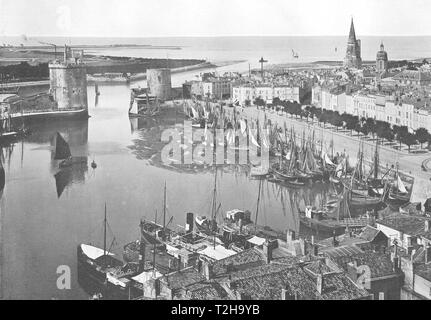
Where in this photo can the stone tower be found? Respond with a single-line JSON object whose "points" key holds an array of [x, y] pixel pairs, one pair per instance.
{"points": [[382, 60], [159, 83], [68, 80], [353, 52]]}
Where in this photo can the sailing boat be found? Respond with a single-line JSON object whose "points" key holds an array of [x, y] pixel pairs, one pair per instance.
{"points": [[62, 152], [398, 193], [203, 224]]}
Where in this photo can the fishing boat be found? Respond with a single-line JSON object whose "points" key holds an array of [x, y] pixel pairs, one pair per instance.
{"points": [[398, 193], [142, 104], [62, 152], [96, 263]]}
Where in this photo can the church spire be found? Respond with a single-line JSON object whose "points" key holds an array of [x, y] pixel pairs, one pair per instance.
{"points": [[352, 34]]}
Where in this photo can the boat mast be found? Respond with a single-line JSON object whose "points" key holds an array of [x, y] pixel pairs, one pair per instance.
{"points": [[154, 247], [104, 238], [257, 206], [164, 211], [376, 161], [214, 204]]}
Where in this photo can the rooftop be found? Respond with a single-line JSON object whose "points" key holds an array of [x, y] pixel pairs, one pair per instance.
{"points": [[411, 225], [240, 261], [182, 278]]}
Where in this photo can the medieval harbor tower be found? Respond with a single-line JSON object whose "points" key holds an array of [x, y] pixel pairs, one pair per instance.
{"points": [[68, 80], [353, 52]]}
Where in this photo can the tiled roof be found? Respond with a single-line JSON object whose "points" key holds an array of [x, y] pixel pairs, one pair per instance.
{"points": [[344, 251], [411, 225], [183, 278], [239, 261], [380, 264], [206, 291], [269, 285], [369, 233], [413, 75]]}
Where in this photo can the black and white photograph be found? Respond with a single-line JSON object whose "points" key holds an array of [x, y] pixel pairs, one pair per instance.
{"points": [[219, 151]]}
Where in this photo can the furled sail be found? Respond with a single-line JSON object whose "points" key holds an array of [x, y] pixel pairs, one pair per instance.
{"points": [[253, 140], [328, 161], [401, 187], [243, 126], [194, 112], [62, 150]]}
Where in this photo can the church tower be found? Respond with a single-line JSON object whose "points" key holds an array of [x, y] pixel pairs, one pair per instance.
{"points": [[353, 52], [382, 60]]}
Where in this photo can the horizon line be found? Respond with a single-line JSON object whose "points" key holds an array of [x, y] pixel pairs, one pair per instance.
{"points": [[205, 36]]}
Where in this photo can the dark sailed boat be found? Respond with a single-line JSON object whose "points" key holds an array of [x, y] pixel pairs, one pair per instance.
{"points": [[62, 152]]}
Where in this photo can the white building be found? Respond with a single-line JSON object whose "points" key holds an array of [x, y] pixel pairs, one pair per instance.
{"points": [[241, 93], [216, 88]]}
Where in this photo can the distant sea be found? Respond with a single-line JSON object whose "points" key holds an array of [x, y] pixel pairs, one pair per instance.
{"points": [[274, 49]]}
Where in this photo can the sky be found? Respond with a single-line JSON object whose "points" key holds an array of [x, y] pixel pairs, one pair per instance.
{"points": [[172, 18]]}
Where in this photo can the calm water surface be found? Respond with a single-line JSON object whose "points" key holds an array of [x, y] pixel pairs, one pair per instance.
{"points": [[45, 213]]}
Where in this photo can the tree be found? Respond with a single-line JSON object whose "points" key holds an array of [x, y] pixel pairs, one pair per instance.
{"points": [[247, 103], [259, 102], [409, 139], [370, 123], [422, 135]]}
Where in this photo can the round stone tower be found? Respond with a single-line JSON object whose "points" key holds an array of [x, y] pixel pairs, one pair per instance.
{"points": [[382, 60], [159, 83], [68, 81]]}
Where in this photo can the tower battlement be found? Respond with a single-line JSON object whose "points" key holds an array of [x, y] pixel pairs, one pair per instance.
{"points": [[68, 80]]}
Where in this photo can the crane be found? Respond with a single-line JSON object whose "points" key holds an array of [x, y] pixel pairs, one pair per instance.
{"points": [[52, 45]]}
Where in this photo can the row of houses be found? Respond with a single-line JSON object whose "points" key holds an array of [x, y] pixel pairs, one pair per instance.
{"points": [[410, 111], [243, 93]]}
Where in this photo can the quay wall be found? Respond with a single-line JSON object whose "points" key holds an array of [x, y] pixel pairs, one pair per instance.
{"points": [[409, 164]]}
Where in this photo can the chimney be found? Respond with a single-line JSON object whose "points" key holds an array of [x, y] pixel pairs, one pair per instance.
{"points": [[268, 246], [189, 222], [240, 223], [427, 253], [283, 294], [290, 236], [199, 265], [427, 225], [208, 271], [319, 283], [179, 263], [334, 240], [315, 250], [396, 263]]}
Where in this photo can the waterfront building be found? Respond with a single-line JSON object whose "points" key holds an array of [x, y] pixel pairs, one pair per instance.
{"points": [[406, 230], [382, 60], [217, 88], [353, 53], [68, 80], [267, 92]]}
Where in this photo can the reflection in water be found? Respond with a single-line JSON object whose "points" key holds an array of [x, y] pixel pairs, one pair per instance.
{"points": [[291, 201], [69, 176], [76, 137]]}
